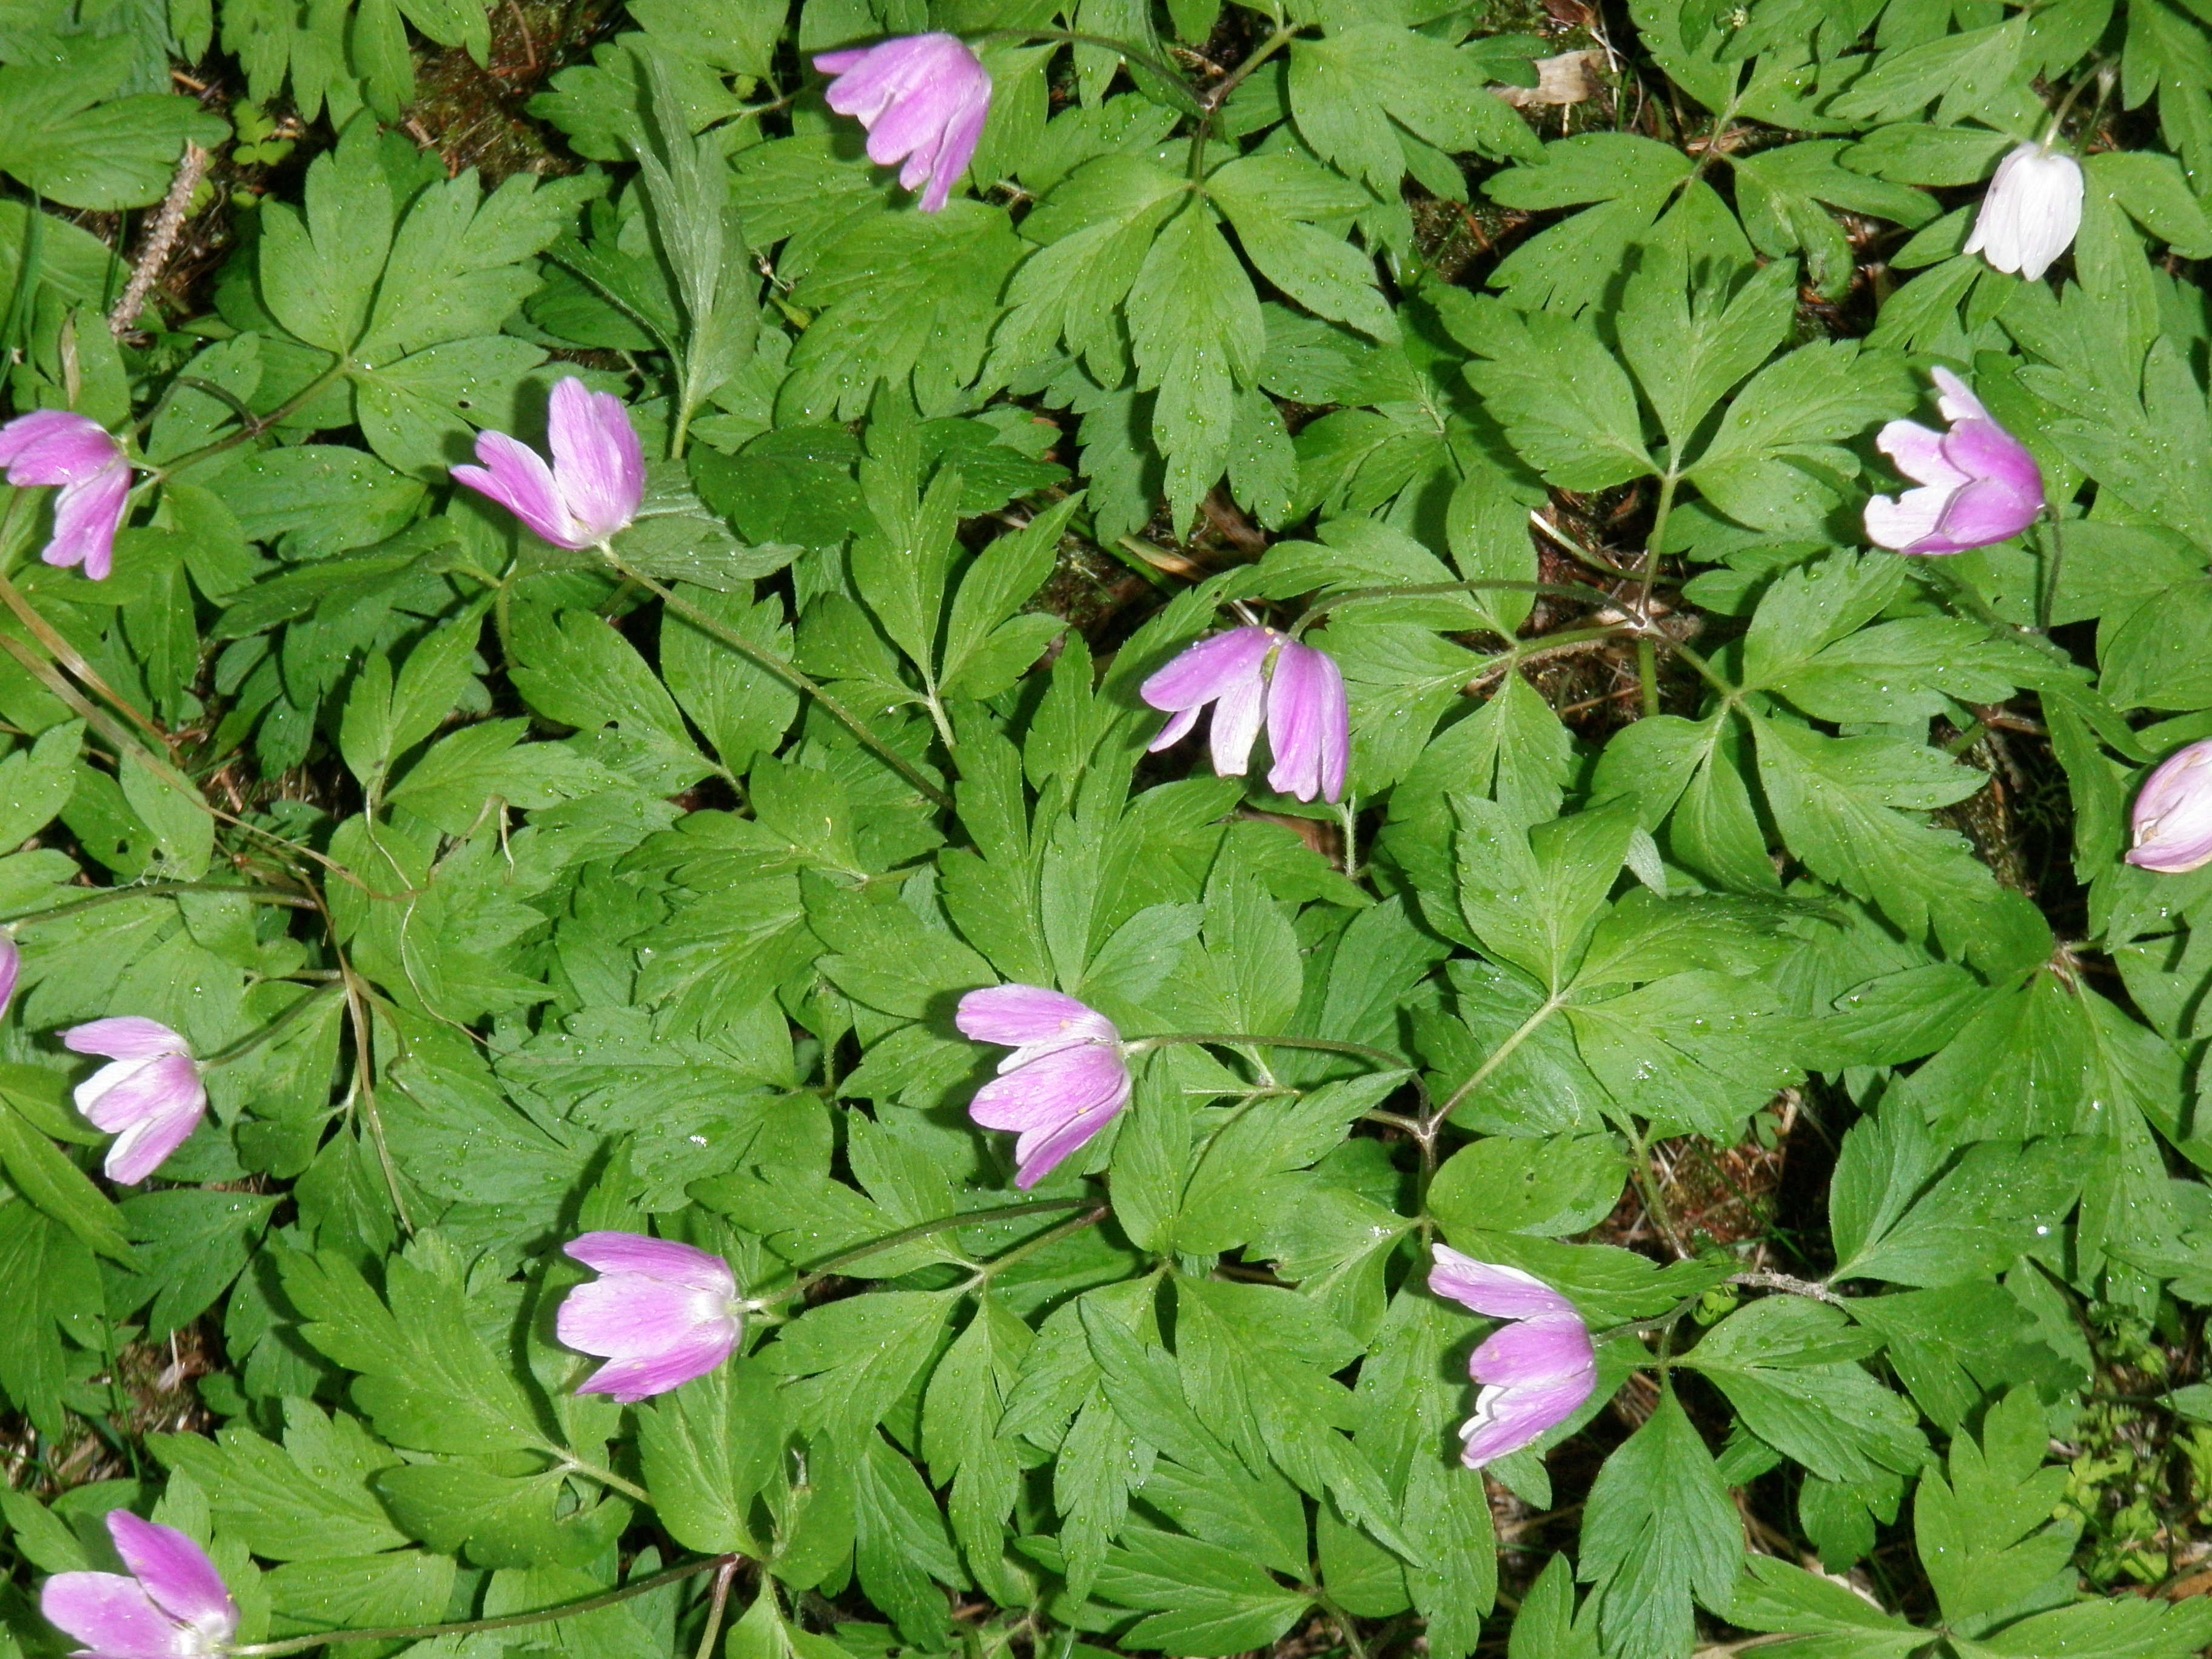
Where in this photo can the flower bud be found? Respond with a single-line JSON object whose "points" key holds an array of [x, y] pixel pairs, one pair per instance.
{"points": [[2173, 814]]}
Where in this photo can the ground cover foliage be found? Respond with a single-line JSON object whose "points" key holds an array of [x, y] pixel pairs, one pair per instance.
{"points": [[1724, 922]]}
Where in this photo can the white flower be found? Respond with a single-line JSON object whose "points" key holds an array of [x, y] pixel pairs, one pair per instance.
{"points": [[2033, 208]]}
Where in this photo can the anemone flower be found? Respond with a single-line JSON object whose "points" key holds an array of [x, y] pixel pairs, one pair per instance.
{"points": [[1978, 484], [1255, 675], [595, 483], [2173, 814], [922, 99], [2031, 211], [1065, 1081], [660, 1312], [1535, 1372], [150, 1099], [173, 1606], [53, 446]]}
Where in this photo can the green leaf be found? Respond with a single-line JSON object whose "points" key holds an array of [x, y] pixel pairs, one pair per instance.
{"points": [[1565, 402], [1986, 1537], [73, 141], [309, 1500], [1786, 1365], [1565, 1184], [1197, 335], [1274, 202], [1212, 1600], [1659, 1530], [193, 1243], [709, 1448], [43, 1174]]}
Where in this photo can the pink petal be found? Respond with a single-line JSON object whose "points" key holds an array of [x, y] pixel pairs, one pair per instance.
{"points": [[638, 1377], [961, 138], [1174, 730], [622, 1315], [87, 515], [663, 1259], [2173, 819], [1490, 1288], [157, 1108], [1919, 454], [1954, 398], [1987, 453], [1986, 511], [516, 476], [837, 63], [1053, 1088], [54, 446], [1542, 1349], [1209, 668], [114, 1615], [598, 464], [1237, 712], [1506, 1419], [1038, 1153], [1023, 1015], [1905, 524], [176, 1574], [127, 1036], [11, 963], [1308, 726]]}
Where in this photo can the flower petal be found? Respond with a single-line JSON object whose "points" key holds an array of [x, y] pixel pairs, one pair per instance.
{"points": [[55, 447], [1490, 1288], [1023, 1015], [2173, 819], [113, 1614], [1308, 723], [1209, 668], [1506, 1419], [598, 465], [1543, 1349], [663, 1259], [1919, 454], [11, 964], [87, 515], [1173, 732], [126, 1037], [625, 1315], [1053, 1088], [157, 1109], [176, 1574], [516, 476], [1038, 1153], [639, 1376], [1902, 524]]}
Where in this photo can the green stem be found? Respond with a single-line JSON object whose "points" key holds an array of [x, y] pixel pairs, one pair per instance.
{"points": [[991, 1269], [1498, 1055], [1659, 517], [1647, 1184], [1424, 590], [511, 1621], [2047, 600], [157, 889], [1122, 49], [721, 1600], [1705, 671], [829, 1269], [1214, 100], [1647, 674], [571, 1464], [239, 1051], [789, 673], [1319, 1045], [291, 406]]}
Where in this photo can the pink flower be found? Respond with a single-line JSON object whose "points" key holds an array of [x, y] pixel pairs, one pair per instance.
{"points": [[1063, 1082], [663, 1313], [1534, 1373], [2031, 211], [2173, 814], [922, 98], [11, 964], [150, 1099], [1255, 674], [173, 1606], [1980, 484], [53, 446], [596, 481]]}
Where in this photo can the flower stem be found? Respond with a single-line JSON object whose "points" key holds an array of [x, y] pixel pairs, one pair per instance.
{"points": [[790, 673], [511, 1621], [1320, 1045], [251, 429], [239, 1051], [829, 1269], [721, 1599], [571, 1464], [1423, 590], [998, 1265], [158, 889]]}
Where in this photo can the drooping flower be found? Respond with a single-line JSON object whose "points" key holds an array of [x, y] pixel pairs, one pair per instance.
{"points": [[1063, 1082], [2030, 212], [595, 483], [1253, 675], [53, 446], [922, 98], [1533, 1372], [173, 1606], [2173, 813], [150, 1099], [660, 1312], [1978, 484]]}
